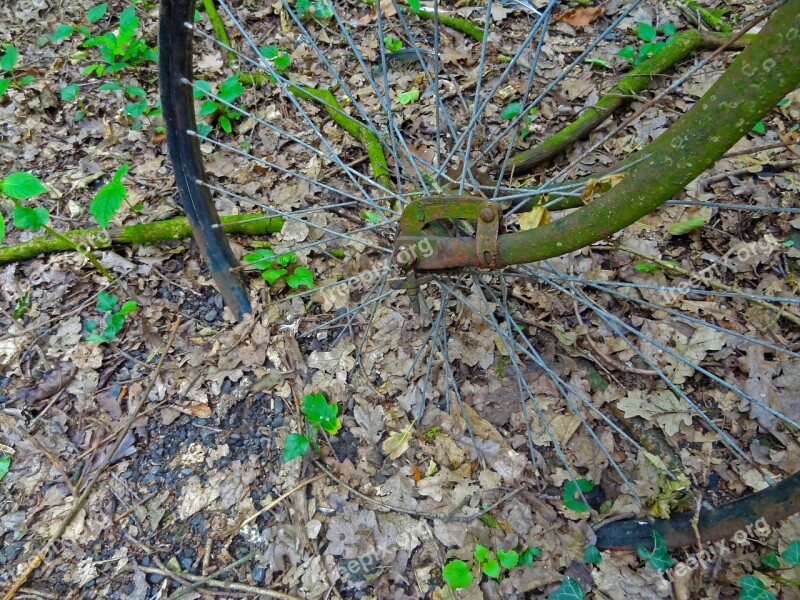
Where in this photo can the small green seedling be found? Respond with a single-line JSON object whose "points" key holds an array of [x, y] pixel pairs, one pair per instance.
{"points": [[5, 464], [114, 320], [8, 61], [392, 43], [229, 91], [109, 198], [121, 49], [319, 415], [318, 9], [274, 267], [652, 44], [513, 110], [456, 574], [278, 57]]}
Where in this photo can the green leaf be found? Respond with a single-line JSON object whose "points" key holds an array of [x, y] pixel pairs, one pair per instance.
{"points": [[2, 228], [231, 89], [106, 302], [319, 412], [647, 267], [792, 553], [107, 201], [760, 128], [414, 4], [668, 29], [9, 58], [61, 32], [135, 110], [301, 277], [646, 32], [592, 555], [599, 62], [4, 83], [282, 62], [269, 52], [392, 43], [754, 589], [96, 13], [69, 92], [25, 80], [511, 111], [568, 590], [627, 52], [111, 86], [225, 123], [508, 560], [21, 186], [686, 226], [135, 90], [491, 568], [771, 560], [128, 307], [5, 464], [272, 275], [295, 445], [371, 216], [208, 107], [529, 555], [457, 575], [201, 88], [408, 97], [571, 491], [481, 553], [658, 557], [261, 258], [287, 258], [29, 218]]}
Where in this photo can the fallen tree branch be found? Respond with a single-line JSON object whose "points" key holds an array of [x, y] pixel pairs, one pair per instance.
{"points": [[146, 233]]}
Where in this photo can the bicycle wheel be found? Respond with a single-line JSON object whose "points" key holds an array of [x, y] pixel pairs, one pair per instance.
{"points": [[382, 135]]}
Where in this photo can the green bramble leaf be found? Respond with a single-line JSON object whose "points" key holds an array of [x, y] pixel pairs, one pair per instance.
{"points": [[9, 59], [457, 575], [21, 186], [30, 218], [295, 445], [109, 198]]}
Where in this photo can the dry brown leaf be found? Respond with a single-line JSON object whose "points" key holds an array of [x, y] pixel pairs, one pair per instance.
{"points": [[397, 442], [535, 218], [581, 17]]}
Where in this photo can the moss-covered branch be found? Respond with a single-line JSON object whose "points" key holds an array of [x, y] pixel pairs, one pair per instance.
{"points": [[463, 25], [147, 233], [626, 90]]}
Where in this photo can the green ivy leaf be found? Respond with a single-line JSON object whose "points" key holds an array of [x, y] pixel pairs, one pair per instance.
{"points": [[685, 227], [771, 560], [9, 58], [592, 555], [69, 92], [301, 277], [272, 275], [508, 560], [571, 491], [568, 590], [511, 111], [408, 97], [658, 557], [457, 575], [646, 32], [5, 464], [96, 13], [792, 553], [295, 445], [29, 218], [316, 408], [491, 568], [754, 589], [21, 186], [62, 31]]}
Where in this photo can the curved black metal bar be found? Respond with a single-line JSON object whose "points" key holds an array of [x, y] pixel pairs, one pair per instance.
{"points": [[175, 64]]}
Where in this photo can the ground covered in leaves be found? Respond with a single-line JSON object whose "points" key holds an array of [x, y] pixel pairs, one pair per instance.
{"points": [[199, 482]]}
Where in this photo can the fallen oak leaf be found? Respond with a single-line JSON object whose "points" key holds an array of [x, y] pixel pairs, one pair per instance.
{"points": [[581, 17]]}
